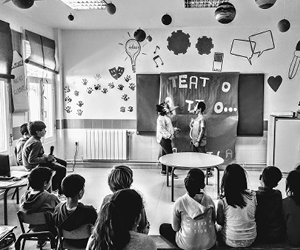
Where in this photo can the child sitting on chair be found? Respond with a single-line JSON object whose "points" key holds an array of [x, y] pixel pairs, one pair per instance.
{"points": [[72, 214], [38, 199], [121, 177], [20, 143]]}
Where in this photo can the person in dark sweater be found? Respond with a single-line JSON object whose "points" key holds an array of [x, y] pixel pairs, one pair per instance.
{"points": [[269, 220], [37, 199], [72, 214]]}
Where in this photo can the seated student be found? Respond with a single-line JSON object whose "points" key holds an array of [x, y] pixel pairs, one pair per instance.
{"points": [[72, 214], [236, 209], [269, 222], [38, 199], [121, 177], [116, 226], [33, 154], [291, 208], [20, 143], [193, 225]]}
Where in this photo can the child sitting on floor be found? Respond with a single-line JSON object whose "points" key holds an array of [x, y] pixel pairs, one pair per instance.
{"points": [[236, 209], [291, 208], [38, 199], [121, 177], [116, 226], [269, 219], [72, 214], [193, 225]]}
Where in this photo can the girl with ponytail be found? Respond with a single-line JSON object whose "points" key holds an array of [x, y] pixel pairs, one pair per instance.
{"points": [[116, 226]]}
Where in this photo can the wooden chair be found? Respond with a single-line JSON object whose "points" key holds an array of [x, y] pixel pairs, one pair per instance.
{"points": [[34, 219], [75, 239]]}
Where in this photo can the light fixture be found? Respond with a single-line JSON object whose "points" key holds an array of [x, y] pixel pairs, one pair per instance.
{"points": [[91, 5], [71, 17]]}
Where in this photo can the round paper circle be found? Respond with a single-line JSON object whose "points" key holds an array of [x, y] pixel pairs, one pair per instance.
{"points": [[283, 25], [225, 13], [265, 4], [139, 35], [166, 19], [23, 4]]}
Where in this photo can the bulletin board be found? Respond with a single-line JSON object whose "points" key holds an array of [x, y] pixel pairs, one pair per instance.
{"points": [[250, 103]]}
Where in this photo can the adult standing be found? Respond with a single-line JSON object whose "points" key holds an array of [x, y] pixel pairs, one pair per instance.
{"points": [[164, 133]]}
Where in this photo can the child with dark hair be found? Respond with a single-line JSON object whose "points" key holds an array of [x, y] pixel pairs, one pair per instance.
{"points": [[33, 154], [72, 214], [116, 225], [121, 177], [291, 208], [193, 225], [20, 143], [38, 199], [236, 208], [269, 220], [164, 133], [198, 129]]}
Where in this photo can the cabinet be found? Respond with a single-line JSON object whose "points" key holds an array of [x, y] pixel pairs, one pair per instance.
{"points": [[284, 143]]}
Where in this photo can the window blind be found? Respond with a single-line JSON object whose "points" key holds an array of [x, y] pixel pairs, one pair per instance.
{"points": [[42, 51], [6, 51]]}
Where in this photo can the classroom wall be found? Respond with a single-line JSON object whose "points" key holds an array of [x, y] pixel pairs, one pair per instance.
{"points": [[87, 57]]}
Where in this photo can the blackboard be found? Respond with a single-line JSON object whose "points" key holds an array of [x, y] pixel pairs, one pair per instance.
{"points": [[250, 103]]}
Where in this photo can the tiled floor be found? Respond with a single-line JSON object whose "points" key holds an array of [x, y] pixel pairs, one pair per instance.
{"points": [[152, 186]]}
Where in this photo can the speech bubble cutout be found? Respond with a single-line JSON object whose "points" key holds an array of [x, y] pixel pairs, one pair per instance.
{"points": [[264, 41], [242, 48]]}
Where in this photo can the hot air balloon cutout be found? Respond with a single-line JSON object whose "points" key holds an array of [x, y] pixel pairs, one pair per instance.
{"points": [[295, 62], [256, 44], [275, 82], [133, 47]]}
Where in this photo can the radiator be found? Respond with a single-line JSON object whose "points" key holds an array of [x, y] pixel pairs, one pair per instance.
{"points": [[110, 144]]}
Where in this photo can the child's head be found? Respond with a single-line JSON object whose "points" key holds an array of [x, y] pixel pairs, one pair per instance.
{"points": [[117, 218], [39, 178], [298, 167], [292, 187], [120, 177], [234, 185], [161, 109], [271, 176], [73, 185], [36, 127], [201, 105], [194, 181], [24, 129]]}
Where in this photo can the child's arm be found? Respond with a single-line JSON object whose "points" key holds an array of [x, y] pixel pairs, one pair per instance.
{"points": [[220, 213], [201, 132], [176, 218], [34, 154]]}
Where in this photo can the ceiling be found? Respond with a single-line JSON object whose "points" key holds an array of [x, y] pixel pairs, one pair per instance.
{"points": [[145, 14]]}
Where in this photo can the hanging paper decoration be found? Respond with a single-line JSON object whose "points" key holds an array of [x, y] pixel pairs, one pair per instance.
{"points": [[283, 25], [265, 4], [225, 13]]}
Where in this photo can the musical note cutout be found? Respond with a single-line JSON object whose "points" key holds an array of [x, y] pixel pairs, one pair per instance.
{"points": [[156, 58], [157, 47]]}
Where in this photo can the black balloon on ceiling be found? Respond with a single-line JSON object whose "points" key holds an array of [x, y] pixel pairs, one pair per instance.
{"points": [[139, 35], [23, 4], [71, 17], [111, 8], [283, 25], [166, 19]]}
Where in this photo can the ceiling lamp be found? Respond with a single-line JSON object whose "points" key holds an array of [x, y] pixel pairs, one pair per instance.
{"points": [[91, 5]]}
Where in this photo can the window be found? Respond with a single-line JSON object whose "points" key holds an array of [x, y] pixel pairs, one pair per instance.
{"points": [[41, 97], [3, 117]]}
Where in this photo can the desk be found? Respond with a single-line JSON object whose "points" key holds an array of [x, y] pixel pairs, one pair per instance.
{"points": [[189, 160], [6, 186]]}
